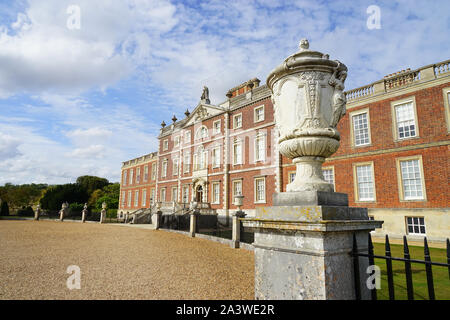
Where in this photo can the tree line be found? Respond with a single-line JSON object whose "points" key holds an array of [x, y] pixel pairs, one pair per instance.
{"points": [[87, 189]]}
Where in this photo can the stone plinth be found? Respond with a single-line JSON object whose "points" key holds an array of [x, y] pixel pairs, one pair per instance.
{"points": [[236, 231], [303, 251], [193, 223]]}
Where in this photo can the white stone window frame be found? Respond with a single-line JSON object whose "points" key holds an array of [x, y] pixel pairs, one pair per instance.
{"points": [[175, 166], [154, 169], [215, 163], [199, 133], [413, 224], [125, 177], [129, 200], [213, 194], [174, 192], [146, 170], [187, 137], [263, 136], [163, 191], [358, 199], [215, 131], [199, 155], [164, 167], [123, 202], [152, 195], [235, 160], [144, 198], [446, 93], [256, 200], [352, 127], [333, 173], [138, 174], [234, 182], [177, 141], [255, 112], [131, 177], [165, 144], [184, 195], [234, 121], [136, 198], [401, 190], [186, 165], [395, 129]]}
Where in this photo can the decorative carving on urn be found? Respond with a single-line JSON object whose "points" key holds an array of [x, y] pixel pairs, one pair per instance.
{"points": [[309, 100]]}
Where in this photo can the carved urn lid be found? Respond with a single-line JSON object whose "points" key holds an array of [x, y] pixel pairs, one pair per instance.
{"points": [[302, 61]]}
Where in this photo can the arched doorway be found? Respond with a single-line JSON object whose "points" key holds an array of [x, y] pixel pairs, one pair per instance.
{"points": [[199, 194]]}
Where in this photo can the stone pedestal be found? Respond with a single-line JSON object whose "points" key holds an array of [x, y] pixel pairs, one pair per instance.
{"points": [[61, 215], [193, 223], [236, 233], [37, 214], [157, 222], [303, 251], [83, 216], [103, 216]]}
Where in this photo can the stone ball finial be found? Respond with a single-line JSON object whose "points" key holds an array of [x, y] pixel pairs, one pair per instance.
{"points": [[304, 44]]}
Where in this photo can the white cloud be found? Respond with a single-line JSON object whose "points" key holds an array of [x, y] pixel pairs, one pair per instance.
{"points": [[90, 152], [42, 54], [9, 147]]}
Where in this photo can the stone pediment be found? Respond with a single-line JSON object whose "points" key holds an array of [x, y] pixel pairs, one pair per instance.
{"points": [[202, 112]]}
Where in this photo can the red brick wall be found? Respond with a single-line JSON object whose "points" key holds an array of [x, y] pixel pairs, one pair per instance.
{"points": [[134, 186]]}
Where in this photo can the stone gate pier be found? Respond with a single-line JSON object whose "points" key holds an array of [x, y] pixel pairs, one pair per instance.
{"points": [[303, 242], [302, 251]]}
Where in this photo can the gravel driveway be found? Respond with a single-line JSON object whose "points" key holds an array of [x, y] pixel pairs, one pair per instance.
{"points": [[118, 263]]}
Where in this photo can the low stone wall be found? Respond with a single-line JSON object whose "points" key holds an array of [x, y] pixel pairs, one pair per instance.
{"points": [[229, 242]]}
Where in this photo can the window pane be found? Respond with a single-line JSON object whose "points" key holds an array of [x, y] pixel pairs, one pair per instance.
{"points": [[361, 129], [365, 182], [411, 179], [405, 120]]}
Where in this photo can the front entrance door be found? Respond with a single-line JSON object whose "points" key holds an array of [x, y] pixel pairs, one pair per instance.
{"points": [[199, 194]]}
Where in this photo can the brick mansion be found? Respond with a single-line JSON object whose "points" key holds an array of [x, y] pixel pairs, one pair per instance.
{"points": [[393, 156]]}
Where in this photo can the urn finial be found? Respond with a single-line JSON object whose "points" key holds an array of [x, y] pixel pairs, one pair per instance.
{"points": [[304, 44], [309, 100]]}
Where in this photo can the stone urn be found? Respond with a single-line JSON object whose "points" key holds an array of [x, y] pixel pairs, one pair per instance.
{"points": [[309, 100], [84, 213], [239, 201], [37, 213], [63, 210], [103, 212]]}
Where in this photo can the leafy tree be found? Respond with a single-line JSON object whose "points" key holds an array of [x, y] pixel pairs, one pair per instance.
{"points": [[97, 194], [4, 209], [109, 194], [54, 196], [26, 212], [19, 196], [76, 207], [91, 183]]}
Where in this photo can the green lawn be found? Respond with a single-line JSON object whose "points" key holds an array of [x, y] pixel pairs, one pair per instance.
{"points": [[440, 274]]}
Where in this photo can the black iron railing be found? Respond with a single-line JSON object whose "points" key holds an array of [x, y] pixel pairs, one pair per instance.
{"points": [[390, 275]]}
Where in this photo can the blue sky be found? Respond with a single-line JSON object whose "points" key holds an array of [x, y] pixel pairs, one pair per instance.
{"points": [[81, 101]]}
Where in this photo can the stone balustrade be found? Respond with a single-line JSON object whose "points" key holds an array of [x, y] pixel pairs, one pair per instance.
{"points": [[360, 92], [398, 80], [442, 68]]}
